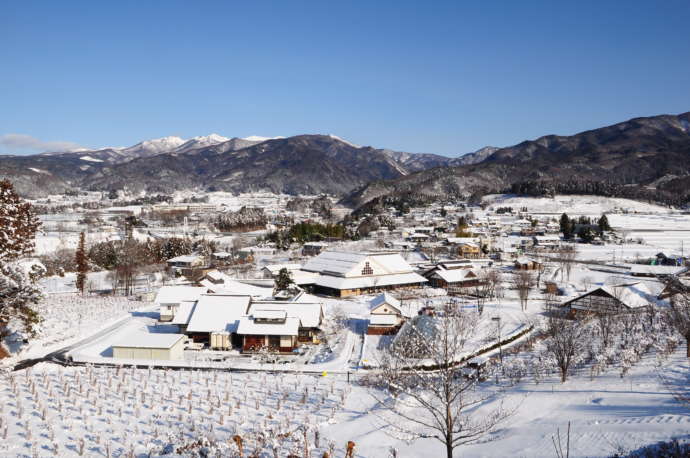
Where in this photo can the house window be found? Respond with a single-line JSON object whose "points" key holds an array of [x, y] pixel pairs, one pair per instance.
{"points": [[367, 269]]}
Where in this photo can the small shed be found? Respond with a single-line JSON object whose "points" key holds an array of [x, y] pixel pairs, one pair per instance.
{"points": [[162, 347]]}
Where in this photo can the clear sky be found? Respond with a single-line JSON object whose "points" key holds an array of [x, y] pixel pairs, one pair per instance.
{"points": [[437, 77]]}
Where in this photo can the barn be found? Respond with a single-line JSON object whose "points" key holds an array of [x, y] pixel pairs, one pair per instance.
{"points": [[162, 347]]}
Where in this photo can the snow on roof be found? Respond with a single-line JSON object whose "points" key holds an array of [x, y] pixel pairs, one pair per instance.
{"points": [[247, 326], [149, 340], [269, 314], [177, 294], [215, 275], [383, 320], [217, 312], [456, 240], [454, 275], [184, 313], [340, 263], [309, 314], [656, 270], [184, 258], [384, 298], [231, 286], [316, 244], [525, 260], [275, 268], [369, 282], [633, 295]]}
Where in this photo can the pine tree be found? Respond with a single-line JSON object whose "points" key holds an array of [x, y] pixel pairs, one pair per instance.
{"points": [[283, 280], [82, 263]]}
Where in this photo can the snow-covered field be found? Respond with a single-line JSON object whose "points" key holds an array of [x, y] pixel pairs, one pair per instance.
{"points": [[573, 204], [49, 410]]}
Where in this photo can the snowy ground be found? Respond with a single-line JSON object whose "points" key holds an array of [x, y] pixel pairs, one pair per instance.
{"points": [[573, 204]]}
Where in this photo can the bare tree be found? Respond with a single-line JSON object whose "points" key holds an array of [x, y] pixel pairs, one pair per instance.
{"points": [[523, 282], [679, 317], [434, 401], [565, 341], [566, 256]]}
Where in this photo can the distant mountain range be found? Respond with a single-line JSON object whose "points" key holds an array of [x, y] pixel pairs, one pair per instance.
{"points": [[296, 165], [641, 158]]}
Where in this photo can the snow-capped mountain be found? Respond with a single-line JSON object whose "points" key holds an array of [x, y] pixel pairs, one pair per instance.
{"points": [[154, 146], [200, 142]]}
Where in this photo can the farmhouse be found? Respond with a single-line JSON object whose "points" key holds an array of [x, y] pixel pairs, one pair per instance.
{"points": [[185, 262], [629, 297], [386, 315], [169, 298], [313, 248], [217, 313], [151, 346], [271, 329], [309, 315], [525, 263], [453, 278], [343, 274]]}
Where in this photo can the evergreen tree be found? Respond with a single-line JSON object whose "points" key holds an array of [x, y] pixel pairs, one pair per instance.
{"points": [[566, 226], [18, 288], [283, 280], [604, 224], [585, 234], [82, 263]]}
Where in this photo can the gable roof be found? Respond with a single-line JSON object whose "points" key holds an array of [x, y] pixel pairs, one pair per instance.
{"points": [[218, 312], [455, 275], [184, 313], [341, 263], [631, 295], [247, 326], [177, 294], [385, 298], [309, 314]]}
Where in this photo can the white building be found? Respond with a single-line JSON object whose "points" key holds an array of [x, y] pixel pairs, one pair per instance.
{"points": [[344, 274]]}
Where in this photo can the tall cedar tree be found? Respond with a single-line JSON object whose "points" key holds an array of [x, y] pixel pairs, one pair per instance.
{"points": [[566, 226], [18, 290], [18, 224], [604, 224], [82, 263]]}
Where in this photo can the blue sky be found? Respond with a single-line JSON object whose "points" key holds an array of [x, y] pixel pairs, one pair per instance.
{"points": [[435, 77]]}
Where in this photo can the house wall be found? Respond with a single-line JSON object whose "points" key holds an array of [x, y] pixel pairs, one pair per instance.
{"points": [[382, 330], [176, 352]]}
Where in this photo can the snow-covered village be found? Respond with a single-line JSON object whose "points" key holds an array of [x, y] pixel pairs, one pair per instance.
{"points": [[257, 325], [344, 229]]}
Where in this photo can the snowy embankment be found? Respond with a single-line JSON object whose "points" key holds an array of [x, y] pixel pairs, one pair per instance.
{"points": [[70, 318]]}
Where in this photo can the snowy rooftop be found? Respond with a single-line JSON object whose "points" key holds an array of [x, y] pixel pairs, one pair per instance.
{"points": [[217, 312], [269, 314], [384, 298], [247, 326], [369, 282], [184, 258], [177, 294], [455, 275], [149, 340], [184, 313], [342, 262], [310, 314], [639, 269], [275, 268]]}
